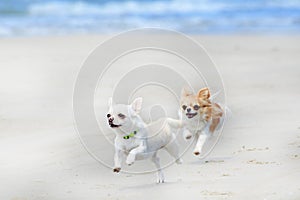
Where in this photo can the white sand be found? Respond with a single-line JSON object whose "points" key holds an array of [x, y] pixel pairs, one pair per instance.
{"points": [[258, 156]]}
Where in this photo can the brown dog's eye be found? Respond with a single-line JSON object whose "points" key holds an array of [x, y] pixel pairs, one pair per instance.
{"points": [[121, 116], [184, 107], [196, 107]]}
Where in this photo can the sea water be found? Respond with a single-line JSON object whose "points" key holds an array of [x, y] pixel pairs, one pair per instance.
{"points": [[54, 17]]}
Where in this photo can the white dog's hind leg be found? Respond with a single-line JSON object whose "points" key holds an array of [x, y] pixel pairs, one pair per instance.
{"points": [[201, 141], [173, 149], [156, 161]]}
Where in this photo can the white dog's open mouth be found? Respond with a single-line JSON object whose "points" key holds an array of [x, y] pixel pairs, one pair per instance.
{"points": [[191, 115], [112, 125]]}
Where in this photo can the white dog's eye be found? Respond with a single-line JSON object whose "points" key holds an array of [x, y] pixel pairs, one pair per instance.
{"points": [[122, 116]]}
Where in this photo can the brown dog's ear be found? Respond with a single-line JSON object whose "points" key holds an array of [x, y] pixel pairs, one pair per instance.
{"points": [[204, 93], [185, 92]]}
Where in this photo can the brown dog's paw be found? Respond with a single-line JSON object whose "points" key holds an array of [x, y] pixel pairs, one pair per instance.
{"points": [[117, 170], [197, 153], [188, 137]]}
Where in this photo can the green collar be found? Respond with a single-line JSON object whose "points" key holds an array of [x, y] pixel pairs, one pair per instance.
{"points": [[132, 134]]}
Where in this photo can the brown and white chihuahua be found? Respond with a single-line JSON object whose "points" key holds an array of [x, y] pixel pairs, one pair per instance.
{"points": [[200, 116]]}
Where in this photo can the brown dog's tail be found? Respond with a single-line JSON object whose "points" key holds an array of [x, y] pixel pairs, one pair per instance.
{"points": [[217, 114]]}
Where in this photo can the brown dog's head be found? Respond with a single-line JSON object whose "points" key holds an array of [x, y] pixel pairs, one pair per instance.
{"points": [[196, 106]]}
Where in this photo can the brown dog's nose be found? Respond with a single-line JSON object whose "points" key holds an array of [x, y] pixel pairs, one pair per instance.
{"points": [[188, 110]]}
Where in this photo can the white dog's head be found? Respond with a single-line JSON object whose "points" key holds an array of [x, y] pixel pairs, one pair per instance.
{"points": [[121, 115]]}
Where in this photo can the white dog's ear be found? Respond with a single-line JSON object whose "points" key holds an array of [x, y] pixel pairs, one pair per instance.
{"points": [[185, 92], [110, 102], [137, 104]]}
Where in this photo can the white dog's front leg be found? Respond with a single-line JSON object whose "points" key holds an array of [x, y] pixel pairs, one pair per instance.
{"points": [[118, 160], [201, 141], [132, 154]]}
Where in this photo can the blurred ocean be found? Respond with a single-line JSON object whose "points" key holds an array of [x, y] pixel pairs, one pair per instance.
{"points": [[50, 17]]}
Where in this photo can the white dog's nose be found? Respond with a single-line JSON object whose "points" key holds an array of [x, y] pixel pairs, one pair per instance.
{"points": [[110, 118]]}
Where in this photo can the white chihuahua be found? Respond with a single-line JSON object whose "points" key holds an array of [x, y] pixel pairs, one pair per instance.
{"points": [[138, 140]]}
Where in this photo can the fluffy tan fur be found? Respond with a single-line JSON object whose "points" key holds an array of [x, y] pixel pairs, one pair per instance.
{"points": [[211, 112]]}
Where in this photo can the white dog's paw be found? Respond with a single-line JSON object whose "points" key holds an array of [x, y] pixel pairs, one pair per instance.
{"points": [[130, 160], [179, 161], [160, 177], [160, 180], [117, 169]]}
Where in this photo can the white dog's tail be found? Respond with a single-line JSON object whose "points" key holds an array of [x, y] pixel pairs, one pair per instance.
{"points": [[174, 123]]}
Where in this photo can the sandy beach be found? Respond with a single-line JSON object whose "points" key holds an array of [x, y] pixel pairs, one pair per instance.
{"points": [[257, 157]]}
